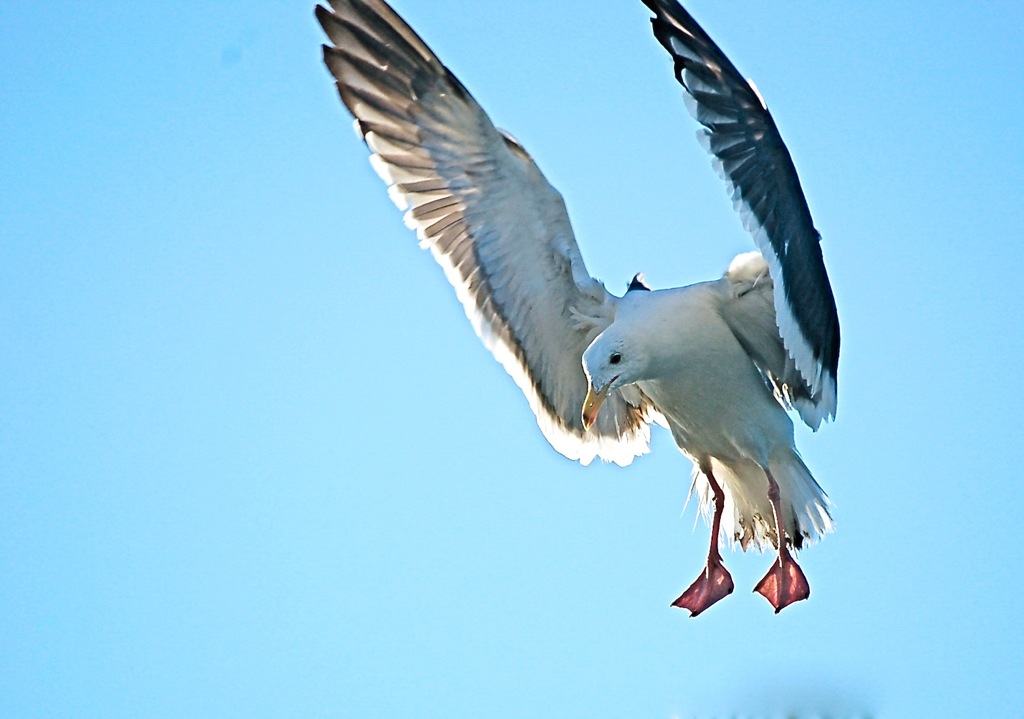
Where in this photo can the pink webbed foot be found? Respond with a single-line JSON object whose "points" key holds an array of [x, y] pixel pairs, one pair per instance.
{"points": [[784, 583], [714, 583]]}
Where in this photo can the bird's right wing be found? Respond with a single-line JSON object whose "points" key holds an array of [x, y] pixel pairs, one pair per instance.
{"points": [[501, 233]]}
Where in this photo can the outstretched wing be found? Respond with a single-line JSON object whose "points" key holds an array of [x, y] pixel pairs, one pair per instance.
{"points": [[494, 224], [752, 158]]}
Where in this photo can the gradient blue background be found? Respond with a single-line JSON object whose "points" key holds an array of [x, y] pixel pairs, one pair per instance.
{"points": [[254, 462]]}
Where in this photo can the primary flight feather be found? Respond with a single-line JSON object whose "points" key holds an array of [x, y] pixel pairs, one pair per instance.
{"points": [[718, 363]]}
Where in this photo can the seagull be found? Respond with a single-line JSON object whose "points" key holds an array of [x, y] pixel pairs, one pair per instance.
{"points": [[721, 364]]}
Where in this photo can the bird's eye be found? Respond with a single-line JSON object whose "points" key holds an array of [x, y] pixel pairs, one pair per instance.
{"points": [[615, 358]]}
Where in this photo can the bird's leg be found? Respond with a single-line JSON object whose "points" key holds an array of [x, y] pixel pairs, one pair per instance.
{"points": [[785, 582], [714, 582]]}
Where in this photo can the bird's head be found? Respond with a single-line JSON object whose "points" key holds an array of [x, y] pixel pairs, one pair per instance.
{"points": [[609, 363]]}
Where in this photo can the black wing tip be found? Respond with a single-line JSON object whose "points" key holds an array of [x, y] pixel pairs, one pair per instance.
{"points": [[325, 16], [669, 12], [638, 283], [663, 7]]}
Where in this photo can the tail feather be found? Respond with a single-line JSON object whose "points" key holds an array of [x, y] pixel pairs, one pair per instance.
{"points": [[748, 519]]}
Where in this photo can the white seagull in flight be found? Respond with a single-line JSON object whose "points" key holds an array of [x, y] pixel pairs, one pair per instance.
{"points": [[718, 363]]}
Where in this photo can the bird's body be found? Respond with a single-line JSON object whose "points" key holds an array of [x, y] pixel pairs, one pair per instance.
{"points": [[719, 363], [698, 370], [715, 401]]}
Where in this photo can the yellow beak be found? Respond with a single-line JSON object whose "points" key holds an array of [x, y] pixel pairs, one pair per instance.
{"points": [[592, 404]]}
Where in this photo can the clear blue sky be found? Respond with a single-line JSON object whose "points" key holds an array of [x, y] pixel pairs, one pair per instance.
{"points": [[254, 462]]}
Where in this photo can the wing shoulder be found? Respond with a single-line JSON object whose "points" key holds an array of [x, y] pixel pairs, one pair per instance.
{"points": [[747, 304]]}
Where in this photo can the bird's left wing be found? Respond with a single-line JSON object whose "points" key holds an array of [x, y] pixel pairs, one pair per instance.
{"points": [[752, 158], [746, 303], [501, 233]]}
